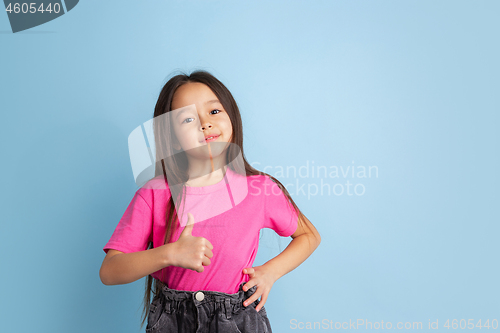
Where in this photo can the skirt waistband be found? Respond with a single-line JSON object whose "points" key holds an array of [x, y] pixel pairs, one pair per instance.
{"points": [[203, 296]]}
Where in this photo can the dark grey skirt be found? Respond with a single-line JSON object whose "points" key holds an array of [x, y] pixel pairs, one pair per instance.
{"points": [[206, 312]]}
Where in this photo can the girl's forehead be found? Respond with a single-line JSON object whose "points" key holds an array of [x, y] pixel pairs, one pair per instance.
{"points": [[192, 93]]}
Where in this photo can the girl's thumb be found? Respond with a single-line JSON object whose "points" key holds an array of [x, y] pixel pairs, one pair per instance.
{"points": [[189, 225]]}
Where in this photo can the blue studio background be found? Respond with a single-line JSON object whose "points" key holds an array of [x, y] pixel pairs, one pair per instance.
{"points": [[408, 88]]}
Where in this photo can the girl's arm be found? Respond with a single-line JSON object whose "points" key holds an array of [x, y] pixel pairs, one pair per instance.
{"points": [[188, 252], [304, 242], [121, 268]]}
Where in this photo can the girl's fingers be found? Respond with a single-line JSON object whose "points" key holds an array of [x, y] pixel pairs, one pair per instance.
{"points": [[262, 302], [248, 285], [250, 272], [251, 299], [209, 253], [205, 261]]}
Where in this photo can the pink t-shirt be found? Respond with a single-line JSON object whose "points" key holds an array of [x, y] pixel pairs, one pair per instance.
{"points": [[234, 233]]}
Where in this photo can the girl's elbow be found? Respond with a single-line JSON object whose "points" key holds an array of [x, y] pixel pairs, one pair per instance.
{"points": [[317, 238], [104, 277]]}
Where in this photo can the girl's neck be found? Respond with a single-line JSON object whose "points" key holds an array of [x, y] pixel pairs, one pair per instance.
{"points": [[208, 179]]}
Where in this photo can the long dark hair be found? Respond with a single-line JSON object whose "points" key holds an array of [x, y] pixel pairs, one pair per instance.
{"points": [[163, 105]]}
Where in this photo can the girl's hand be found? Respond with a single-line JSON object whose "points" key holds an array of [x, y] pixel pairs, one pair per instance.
{"points": [[263, 278], [191, 252]]}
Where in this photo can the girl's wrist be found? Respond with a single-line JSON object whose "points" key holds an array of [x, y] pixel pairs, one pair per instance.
{"points": [[271, 270], [168, 254]]}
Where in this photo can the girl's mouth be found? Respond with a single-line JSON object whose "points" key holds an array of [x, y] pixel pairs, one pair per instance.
{"points": [[211, 138]]}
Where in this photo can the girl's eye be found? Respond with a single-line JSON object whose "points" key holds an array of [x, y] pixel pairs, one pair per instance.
{"points": [[192, 119], [187, 119]]}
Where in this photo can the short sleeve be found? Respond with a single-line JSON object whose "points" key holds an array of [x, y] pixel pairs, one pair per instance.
{"points": [[279, 213], [134, 231]]}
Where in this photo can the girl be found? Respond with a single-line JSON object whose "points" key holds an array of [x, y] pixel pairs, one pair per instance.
{"points": [[202, 268]]}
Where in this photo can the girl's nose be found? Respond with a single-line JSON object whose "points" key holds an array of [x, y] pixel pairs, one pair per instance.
{"points": [[206, 126]]}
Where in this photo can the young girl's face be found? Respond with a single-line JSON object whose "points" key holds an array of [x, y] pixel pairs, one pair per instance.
{"points": [[192, 126]]}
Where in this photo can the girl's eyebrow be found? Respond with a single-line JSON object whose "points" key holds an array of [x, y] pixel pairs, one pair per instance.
{"points": [[212, 101], [179, 114]]}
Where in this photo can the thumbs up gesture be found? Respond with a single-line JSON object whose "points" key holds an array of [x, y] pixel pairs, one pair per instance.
{"points": [[191, 252]]}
